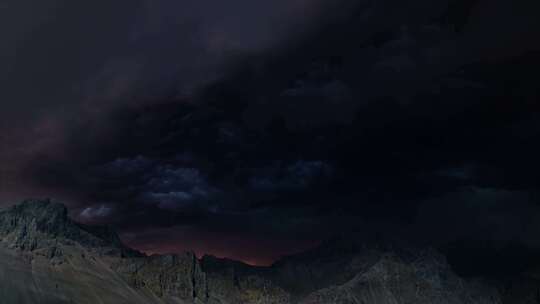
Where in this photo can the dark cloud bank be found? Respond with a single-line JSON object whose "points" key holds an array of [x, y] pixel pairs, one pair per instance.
{"points": [[254, 129]]}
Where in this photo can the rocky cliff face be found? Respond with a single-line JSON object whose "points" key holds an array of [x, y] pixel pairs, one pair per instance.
{"points": [[37, 225], [175, 276], [45, 257], [234, 282]]}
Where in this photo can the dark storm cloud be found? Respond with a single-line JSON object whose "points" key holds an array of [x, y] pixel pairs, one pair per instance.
{"points": [[128, 166], [393, 161], [153, 182], [481, 214], [178, 188], [300, 175], [105, 52], [66, 63], [371, 119]]}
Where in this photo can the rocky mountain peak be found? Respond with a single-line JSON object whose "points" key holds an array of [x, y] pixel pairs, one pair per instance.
{"points": [[49, 217], [37, 207], [44, 224]]}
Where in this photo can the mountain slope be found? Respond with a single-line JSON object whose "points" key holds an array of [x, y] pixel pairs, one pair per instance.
{"points": [[45, 257], [392, 280]]}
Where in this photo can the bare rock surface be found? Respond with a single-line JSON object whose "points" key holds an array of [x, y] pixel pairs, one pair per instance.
{"points": [[44, 225]]}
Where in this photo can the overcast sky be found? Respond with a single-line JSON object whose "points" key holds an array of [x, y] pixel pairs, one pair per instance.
{"points": [[255, 129]]}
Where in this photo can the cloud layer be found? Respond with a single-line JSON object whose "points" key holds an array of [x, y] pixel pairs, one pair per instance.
{"points": [[274, 125]]}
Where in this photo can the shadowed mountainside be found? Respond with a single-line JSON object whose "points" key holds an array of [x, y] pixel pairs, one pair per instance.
{"points": [[45, 257]]}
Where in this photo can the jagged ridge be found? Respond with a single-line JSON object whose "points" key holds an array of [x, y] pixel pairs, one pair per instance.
{"points": [[38, 224], [99, 268]]}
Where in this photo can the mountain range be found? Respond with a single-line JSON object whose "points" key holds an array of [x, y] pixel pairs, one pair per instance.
{"points": [[46, 257]]}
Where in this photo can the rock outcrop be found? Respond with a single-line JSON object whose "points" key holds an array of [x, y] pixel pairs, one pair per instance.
{"points": [[44, 225], [235, 282], [166, 276]]}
